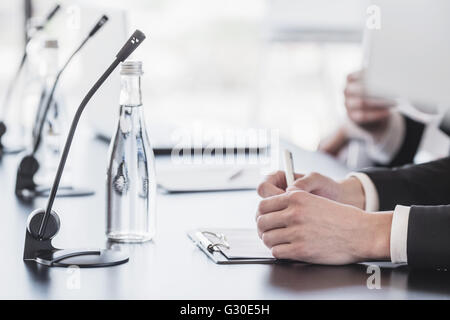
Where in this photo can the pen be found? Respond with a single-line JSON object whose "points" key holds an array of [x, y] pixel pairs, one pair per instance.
{"points": [[289, 168], [236, 174]]}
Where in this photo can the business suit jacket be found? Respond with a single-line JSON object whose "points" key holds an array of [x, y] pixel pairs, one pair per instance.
{"points": [[426, 188], [413, 136]]}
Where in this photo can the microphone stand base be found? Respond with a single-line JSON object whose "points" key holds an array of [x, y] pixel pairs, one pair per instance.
{"points": [[64, 192], [7, 150], [82, 258], [28, 194], [43, 252]]}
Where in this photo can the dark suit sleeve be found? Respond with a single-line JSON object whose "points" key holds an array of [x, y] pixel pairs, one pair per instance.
{"points": [[428, 244], [424, 184], [411, 142], [426, 188]]}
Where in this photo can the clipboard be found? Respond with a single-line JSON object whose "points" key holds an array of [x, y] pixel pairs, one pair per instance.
{"points": [[232, 246]]}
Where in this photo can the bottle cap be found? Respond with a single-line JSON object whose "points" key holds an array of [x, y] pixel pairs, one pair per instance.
{"points": [[131, 68], [51, 43]]}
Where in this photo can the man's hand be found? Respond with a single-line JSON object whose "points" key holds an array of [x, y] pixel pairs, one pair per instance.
{"points": [[371, 114], [348, 191], [301, 226]]}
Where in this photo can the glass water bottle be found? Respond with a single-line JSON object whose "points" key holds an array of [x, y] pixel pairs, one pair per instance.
{"points": [[24, 96], [130, 186], [55, 124]]}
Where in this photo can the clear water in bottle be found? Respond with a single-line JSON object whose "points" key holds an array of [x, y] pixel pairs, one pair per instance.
{"points": [[131, 185]]}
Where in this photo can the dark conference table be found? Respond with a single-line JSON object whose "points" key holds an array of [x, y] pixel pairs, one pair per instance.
{"points": [[171, 267]]}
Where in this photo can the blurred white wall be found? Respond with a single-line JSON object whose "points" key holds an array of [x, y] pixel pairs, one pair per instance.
{"points": [[229, 63], [12, 39]]}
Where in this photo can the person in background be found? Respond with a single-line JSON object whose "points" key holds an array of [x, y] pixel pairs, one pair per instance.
{"points": [[391, 139], [401, 214]]}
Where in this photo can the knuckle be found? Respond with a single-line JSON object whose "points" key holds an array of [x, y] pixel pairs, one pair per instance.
{"points": [[353, 76], [266, 239], [292, 195], [357, 116], [296, 196], [261, 206], [276, 252], [296, 217], [293, 234], [315, 175], [355, 103], [260, 223], [346, 91], [275, 176], [279, 173], [299, 249], [303, 251], [262, 188], [300, 184], [291, 217], [363, 116]]}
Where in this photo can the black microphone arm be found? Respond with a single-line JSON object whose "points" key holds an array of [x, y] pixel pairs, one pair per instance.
{"points": [[13, 82], [50, 16], [43, 225], [25, 185]]}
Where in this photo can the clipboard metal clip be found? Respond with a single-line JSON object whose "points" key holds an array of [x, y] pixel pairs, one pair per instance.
{"points": [[210, 246]]}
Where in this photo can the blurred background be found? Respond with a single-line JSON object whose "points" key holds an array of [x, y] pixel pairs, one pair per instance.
{"points": [[278, 64]]}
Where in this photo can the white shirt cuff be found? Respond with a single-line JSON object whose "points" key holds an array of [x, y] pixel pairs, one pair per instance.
{"points": [[383, 148], [370, 191], [399, 234]]}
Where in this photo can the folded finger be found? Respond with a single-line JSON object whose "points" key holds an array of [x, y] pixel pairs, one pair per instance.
{"points": [[277, 179], [274, 203], [270, 221], [354, 76], [283, 251], [365, 116], [267, 189], [354, 89], [276, 237], [310, 182], [369, 102]]}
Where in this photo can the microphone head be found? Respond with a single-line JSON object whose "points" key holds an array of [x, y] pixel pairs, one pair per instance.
{"points": [[132, 43], [25, 176], [2, 129], [53, 12], [99, 25], [2, 132]]}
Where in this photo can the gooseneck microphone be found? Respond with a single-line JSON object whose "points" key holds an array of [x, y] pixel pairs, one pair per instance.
{"points": [[49, 17], [43, 224], [49, 100], [12, 84], [25, 185]]}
